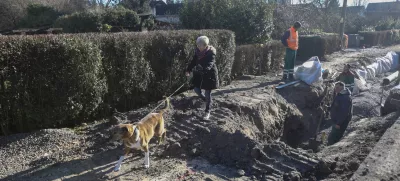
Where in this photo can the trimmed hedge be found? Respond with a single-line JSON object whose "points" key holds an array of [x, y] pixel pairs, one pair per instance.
{"points": [[385, 38], [257, 59], [47, 81], [62, 80], [317, 45]]}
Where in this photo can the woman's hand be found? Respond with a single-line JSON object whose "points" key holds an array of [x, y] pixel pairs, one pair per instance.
{"points": [[187, 74]]}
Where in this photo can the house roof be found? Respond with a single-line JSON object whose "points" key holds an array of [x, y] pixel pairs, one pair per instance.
{"points": [[383, 7], [170, 19], [351, 9], [355, 9], [168, 9]]}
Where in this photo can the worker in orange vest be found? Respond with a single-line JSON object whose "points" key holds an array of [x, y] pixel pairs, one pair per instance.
{"points": [[290, 40], [346, 40]]}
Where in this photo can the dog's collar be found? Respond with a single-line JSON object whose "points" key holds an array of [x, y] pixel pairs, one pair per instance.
{"points": [[136, 131]]}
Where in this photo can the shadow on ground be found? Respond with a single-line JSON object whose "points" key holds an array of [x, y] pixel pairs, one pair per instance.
{"points": [[92, 168]]}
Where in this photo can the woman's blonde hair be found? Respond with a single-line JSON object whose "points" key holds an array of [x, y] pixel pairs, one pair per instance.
{"points": [[203, 40]]}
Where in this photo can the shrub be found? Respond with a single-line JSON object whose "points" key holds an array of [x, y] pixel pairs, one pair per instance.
{"points": [[139, 6], [80, 22], [93, 20], [386, 38], [285, 16], [39, 15], [121, 17], [148, 23], [250, 20], [48, 81], [257, 59], [387, 23], [354, 24], [59, 80]]}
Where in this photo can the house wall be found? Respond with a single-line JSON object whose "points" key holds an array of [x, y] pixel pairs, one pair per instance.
{"points": [[172, 19]]}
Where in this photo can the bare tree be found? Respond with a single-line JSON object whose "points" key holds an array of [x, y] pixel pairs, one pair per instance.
{"points": [[360, 2], [325, 3], [303, 1], [104, 3], [11, 11]]}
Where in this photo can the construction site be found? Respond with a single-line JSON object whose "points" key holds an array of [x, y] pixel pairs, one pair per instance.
{"points": [[255, 132]]}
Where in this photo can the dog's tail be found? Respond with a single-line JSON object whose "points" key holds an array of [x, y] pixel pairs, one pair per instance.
{"points": [[167, 105]]}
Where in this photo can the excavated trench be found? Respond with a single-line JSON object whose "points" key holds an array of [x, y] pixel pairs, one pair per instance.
{"points": [[266, 132], [253, 129], [249, 130]]}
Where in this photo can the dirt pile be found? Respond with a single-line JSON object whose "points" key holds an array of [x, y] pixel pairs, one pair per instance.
{"points": [[242, 126], [307, 99], [383, 161], [344, 157], [276, 160]]}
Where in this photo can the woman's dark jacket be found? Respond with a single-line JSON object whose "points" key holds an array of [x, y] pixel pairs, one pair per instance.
{"points": [[205, 72]]}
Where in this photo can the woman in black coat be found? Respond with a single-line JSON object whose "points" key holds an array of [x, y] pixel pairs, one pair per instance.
{"points": [[205, 72]]}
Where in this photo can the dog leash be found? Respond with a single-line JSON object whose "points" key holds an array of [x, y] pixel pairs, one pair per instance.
{"points": [[167, 97]]}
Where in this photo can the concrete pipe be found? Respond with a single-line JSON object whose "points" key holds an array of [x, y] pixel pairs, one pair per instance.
{"points": [[387, 80]]}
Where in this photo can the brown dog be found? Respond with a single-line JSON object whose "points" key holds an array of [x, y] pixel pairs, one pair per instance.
{"points": [[137, 136]]}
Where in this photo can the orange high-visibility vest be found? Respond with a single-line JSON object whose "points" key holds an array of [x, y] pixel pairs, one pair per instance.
{"points": [[293, 40]]}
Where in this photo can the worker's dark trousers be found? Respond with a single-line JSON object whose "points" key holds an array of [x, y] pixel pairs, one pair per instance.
{"points": [[337, 134], [290, 58]]}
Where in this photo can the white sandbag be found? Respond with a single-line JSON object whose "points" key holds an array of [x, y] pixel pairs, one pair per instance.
{"points": [[396, 87], [310, 71], [382, 65], [395, 60], [360, 78], [362, 73], [359, 85]]}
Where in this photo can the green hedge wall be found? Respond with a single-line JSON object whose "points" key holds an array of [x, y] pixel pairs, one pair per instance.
{"points": [[257, 59], [61, 80], [47, 81], [317, 45], [385, 38]]}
